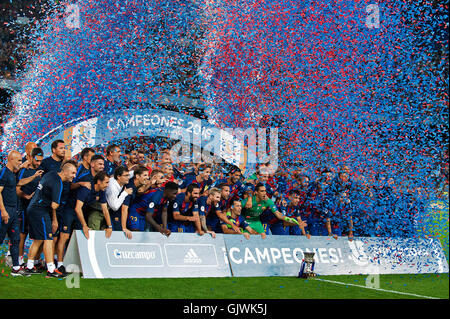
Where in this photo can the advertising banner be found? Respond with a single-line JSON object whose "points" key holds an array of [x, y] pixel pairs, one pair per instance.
{"points": [[152, 255], [147, 255], [122, 124], [282, 255]]}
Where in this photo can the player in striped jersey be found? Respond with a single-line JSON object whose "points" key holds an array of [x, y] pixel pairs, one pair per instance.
{"points": [[209, 211], [183, 212], [138, 181], [234, 215], [234, 182], [293, 211], [202, 178]]}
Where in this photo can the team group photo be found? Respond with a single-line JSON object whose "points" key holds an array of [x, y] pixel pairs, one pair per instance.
{"points": [[201, 149]]}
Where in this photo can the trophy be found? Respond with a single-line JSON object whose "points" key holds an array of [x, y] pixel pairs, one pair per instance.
{"points": [[307, 267]]}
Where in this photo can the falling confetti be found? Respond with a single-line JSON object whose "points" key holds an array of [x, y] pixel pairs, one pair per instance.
{"points": [[352, 83]]}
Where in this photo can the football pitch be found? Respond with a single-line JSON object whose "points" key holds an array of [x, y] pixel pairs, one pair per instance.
{"points": [[411, 286]]}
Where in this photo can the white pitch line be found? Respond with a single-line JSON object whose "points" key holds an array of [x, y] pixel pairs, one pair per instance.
{"points": [[378, 289]]}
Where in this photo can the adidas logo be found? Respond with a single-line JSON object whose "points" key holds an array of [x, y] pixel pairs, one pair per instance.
{"points": [[191, 257]]}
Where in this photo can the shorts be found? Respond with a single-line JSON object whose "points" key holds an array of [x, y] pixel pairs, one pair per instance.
{"points": [[59, 218], [279, 229], [23, 222], [295, 230], [40, 224], [336, 229], [172, 226], [12, 230], [96, 220], [189, 228], [158, 218], [69, 221], [256, 226], [181, 227], [116, 220], [214, 224], [316, 227], [136, 222], [266, 228]]}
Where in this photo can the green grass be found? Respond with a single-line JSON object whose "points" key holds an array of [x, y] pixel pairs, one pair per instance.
{"points": [[36, 286], [431, 285]]}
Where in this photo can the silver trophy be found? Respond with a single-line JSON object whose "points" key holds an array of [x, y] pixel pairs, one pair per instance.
{"points": [[307, 267]]}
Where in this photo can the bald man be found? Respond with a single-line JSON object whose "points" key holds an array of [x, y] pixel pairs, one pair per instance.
{"points": [[27, 159], [8, 208], [43, 221]]}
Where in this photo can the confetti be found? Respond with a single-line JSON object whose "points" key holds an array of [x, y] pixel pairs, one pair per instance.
{"points": [[345, 82]]}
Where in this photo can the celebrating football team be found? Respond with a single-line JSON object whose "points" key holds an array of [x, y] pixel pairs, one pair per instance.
{"points": [[47, 199]]}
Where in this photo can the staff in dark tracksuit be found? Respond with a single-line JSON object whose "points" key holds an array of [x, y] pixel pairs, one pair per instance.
{"points": [[8, 208]]}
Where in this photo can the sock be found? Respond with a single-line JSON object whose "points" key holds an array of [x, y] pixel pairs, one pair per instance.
{"points": [[50, 267], [30, 263], [60, 263], [20, 260], [8, 253], [16, 268]]}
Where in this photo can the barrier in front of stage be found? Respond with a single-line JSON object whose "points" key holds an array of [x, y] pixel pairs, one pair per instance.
{"points": [[282, 255], [147, 255], [153, 255]]}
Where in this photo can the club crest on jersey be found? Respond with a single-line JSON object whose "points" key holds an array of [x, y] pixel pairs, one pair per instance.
{"points": [[151, 205]]}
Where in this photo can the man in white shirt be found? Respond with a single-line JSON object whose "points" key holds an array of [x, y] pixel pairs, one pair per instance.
{"points": [[116, 192]]}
